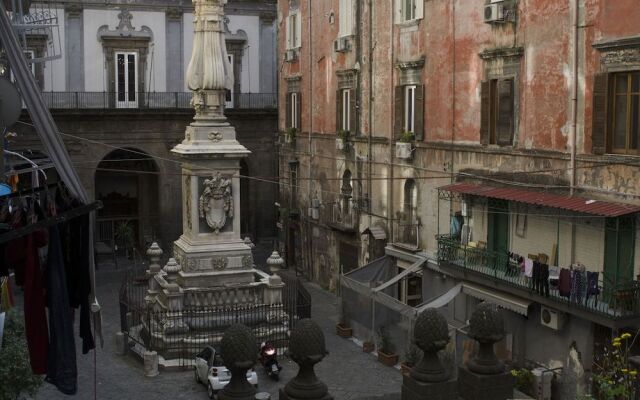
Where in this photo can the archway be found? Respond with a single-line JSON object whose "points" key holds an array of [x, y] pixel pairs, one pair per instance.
{"points": [[126, 182]]}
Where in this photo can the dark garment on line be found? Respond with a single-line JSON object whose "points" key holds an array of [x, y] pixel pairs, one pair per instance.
{"points": [[578, 285], [564, 284], [62, 370], [592, 286]]}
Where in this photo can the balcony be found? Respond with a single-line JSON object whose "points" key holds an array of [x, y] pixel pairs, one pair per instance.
{"points": [[615, 301], [344, 215], [149, 100], [406, 233]]}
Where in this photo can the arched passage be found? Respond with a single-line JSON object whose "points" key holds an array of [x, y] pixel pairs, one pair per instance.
{"points": [[126, 182]]}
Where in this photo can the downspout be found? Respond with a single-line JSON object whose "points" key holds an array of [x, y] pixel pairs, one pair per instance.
{"points": [[574, 96], [369, 141], [309, 235], [390, 182]]}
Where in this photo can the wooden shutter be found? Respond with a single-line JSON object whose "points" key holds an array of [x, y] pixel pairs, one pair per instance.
{"points": [[398, 112], [299, 112], [599, 124], [353, 113], [504, 123], [419, 112], [485, 111], [419, 9], [288, 122], [338, 110]]}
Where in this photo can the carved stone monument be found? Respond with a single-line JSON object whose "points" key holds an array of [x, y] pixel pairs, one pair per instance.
{"points": [[484, 376], [306, 348], [429, 379], [212, 269]]}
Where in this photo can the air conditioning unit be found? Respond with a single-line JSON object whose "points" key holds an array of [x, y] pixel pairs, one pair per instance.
{"points": [[551, 318], [494, 12], [290, 55], [341, 45]]}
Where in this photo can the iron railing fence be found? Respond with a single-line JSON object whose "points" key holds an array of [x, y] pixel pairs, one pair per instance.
{"points": [[181, 335], [407, 232], [616, 300], [150, 100]]}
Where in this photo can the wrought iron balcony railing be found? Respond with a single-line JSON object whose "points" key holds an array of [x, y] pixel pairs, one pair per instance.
{"points": [[406, 232], [150, 100], [344, 216], [615, 300]]}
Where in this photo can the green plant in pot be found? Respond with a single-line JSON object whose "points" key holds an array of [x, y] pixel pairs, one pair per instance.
{"points": [[407, 137], [386, 350], [124, 236], [16, 376], [291, 134]]}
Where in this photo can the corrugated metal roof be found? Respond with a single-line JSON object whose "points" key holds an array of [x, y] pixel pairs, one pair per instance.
{"points": [[377, 232], [540, 198]]}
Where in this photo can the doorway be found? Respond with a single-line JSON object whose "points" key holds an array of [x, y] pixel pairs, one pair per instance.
{"points": [[498, 226]]}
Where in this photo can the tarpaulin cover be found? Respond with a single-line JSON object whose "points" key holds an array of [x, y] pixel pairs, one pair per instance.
{"points": [[375, 273]]}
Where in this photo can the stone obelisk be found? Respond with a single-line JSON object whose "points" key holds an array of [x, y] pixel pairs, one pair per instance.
{"points": [[210, 250]]}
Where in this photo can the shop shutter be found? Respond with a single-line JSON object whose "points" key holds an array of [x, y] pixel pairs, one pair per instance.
{"points": [[419, 112], [599, 124], [398, 112], [485, 111]]}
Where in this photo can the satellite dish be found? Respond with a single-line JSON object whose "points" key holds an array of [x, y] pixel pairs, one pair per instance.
{"points": [[10, 103]]}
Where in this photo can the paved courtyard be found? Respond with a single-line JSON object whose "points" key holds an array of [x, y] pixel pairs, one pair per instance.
{"points": [[349, 373]]}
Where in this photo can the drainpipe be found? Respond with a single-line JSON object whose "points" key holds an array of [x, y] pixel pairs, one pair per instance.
{"points": [[369, 142], [390, 183], [309, 235], [574, 96]]}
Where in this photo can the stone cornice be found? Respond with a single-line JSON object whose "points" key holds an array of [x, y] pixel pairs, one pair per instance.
{"points": [[414, 64], [501, 52], [617, 44]]}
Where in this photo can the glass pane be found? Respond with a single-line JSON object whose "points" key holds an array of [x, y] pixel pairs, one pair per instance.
{"points": [[120, 76], [620, 132], [635, 82], [635, 115], [622, 81], [408, 10], [132, 77]]}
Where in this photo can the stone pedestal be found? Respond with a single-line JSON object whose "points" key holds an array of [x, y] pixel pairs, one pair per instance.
{"points": [[282, 395], [122, 347], [415, 390], [151, 364], [473, 386]]}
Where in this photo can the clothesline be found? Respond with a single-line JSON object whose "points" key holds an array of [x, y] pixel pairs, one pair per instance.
{"points": [[65, 216]]}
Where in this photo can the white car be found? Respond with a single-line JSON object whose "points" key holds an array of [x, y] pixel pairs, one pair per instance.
{"points": [[209, 369]]}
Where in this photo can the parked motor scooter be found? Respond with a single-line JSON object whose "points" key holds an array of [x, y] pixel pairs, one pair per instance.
{"points": [[269, 360]]}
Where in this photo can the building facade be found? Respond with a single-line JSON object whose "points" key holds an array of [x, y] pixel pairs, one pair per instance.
{"points": [[115, 82], [469, 134]]}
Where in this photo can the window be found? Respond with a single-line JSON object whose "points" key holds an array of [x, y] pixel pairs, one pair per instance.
{"points": [[345, 110], [409, 110], [293, 30], [293, 182], [497, 120], [345, 17], [409, 10], [293, 110], [625, 112], [126, 79]]}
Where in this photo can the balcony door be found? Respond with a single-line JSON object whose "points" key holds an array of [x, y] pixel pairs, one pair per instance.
{"points": [[126, 79], [619, 245], [498, 227]]}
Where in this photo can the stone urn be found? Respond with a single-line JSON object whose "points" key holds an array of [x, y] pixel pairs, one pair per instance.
{"points": [[275, 262], [154, 253], [430, 334], [306, 348], [239, 352], [486, 326]]}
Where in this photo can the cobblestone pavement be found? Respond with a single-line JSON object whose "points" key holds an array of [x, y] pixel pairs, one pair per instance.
{"points": [[349, 373]]}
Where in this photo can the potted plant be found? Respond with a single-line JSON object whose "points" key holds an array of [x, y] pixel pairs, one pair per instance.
{"points": [[404, 145], [412, 356], [342, 141], [342, 328], [290, 136], [124, 237], [386, 352], [368, 346], [18, 381]]}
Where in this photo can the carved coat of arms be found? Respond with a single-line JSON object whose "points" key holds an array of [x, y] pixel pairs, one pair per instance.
{"points": [[216, 202]]}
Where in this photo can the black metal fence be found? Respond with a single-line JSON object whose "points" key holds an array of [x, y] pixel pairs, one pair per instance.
{"points": [[150, 100], [181, 335]]}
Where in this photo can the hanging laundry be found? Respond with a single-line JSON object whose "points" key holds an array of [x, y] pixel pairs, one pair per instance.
{"points": [[564, 286], [528, 267], [592, 286]]}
